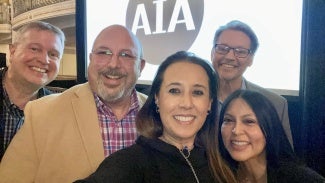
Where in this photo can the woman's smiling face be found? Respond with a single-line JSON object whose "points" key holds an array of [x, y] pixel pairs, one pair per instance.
{"points": [[241, 132], [183, 101]]}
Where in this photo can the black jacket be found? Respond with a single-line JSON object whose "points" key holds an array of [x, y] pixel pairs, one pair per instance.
{"points": [[152, 160], [293, 173]]}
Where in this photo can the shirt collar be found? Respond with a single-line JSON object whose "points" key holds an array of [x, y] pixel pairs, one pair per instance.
{"points": [[243, 87], [243, 84], [100, 104]]}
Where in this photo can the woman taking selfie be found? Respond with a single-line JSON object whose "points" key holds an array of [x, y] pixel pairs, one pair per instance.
{"points": [[177, 127]]}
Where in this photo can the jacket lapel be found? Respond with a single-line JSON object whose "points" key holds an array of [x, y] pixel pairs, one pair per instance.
{"points": [[87, 123]]}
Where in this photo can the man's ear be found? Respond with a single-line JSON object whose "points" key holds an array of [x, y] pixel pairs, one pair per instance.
{"points": [[142, 64], [250, 60], [12, 48], [212, 54]]}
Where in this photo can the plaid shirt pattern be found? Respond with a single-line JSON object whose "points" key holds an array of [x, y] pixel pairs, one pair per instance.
{"points": [[11, 120], [116, 134], [11, 117]]}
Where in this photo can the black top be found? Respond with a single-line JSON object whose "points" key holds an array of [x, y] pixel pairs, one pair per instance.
{"points": [[152, 160], [293, 173]]}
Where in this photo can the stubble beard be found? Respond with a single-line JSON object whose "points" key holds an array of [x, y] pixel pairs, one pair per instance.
{"points": [[113, 94]]}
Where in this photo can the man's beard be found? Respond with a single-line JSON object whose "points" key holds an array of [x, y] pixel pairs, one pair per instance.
{"points": [[115, 94], [111, 96]]}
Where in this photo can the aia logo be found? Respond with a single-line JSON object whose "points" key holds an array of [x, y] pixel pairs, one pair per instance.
{"points": [[164, 26]]}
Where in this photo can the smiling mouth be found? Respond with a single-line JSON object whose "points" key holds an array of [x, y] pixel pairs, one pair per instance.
{"points": [[112, 76], [39, 69], [228, 65], [239, 143], [184, 118]]}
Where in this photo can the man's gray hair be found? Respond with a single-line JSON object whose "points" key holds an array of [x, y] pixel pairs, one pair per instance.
{"points": [[39, 25]]}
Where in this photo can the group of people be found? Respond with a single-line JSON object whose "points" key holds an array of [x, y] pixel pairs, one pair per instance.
{"points": [[210, 125]]}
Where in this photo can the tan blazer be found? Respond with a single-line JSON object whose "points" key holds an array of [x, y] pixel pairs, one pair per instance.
{"points": [[60, 140]]}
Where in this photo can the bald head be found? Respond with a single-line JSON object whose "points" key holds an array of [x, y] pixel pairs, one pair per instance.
{"points": [[120, 33], [115, 64]]}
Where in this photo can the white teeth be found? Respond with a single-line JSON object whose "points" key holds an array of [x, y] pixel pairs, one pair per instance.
{"points": [[39, 69], [112, 77], [184, 118], [229, 66], [240, 143]]}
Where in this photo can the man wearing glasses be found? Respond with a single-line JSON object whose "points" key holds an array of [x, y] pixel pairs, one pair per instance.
{"points": [[66, 136], [233, 50]]}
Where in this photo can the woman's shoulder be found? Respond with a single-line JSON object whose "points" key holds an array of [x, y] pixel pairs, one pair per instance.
{"points": [[297, 174], [138, 152], [125, 165], [131, 153]]}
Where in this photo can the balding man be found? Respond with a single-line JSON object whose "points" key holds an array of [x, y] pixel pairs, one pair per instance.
{"points": [[67, 135]]}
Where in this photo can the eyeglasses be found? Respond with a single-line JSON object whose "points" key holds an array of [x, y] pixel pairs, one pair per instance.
{"points": [[238, 52], [108, 54]]}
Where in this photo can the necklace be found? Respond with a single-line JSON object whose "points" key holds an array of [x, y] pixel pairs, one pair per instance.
{"points": [[185, 152], [189, 163]]}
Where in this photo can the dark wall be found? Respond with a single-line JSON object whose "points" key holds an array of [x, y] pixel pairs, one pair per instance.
{"points": [[294, 112], [312, 88], [2, 60]]}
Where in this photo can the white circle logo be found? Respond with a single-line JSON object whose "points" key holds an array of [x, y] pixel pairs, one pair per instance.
{"points": [[164, 26]]}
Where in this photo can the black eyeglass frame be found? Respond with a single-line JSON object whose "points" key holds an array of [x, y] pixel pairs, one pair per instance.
{"points": [[237, 51]]}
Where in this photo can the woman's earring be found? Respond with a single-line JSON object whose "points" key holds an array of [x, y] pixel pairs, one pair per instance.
{"points": [[157, 107]]}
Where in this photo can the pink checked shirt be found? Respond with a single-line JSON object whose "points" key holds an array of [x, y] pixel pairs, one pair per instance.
{"points": [[116, 134]]}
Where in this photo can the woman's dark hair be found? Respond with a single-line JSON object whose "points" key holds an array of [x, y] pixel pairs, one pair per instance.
{"points": [[238, 26], [278, 148], [149, 123]]}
